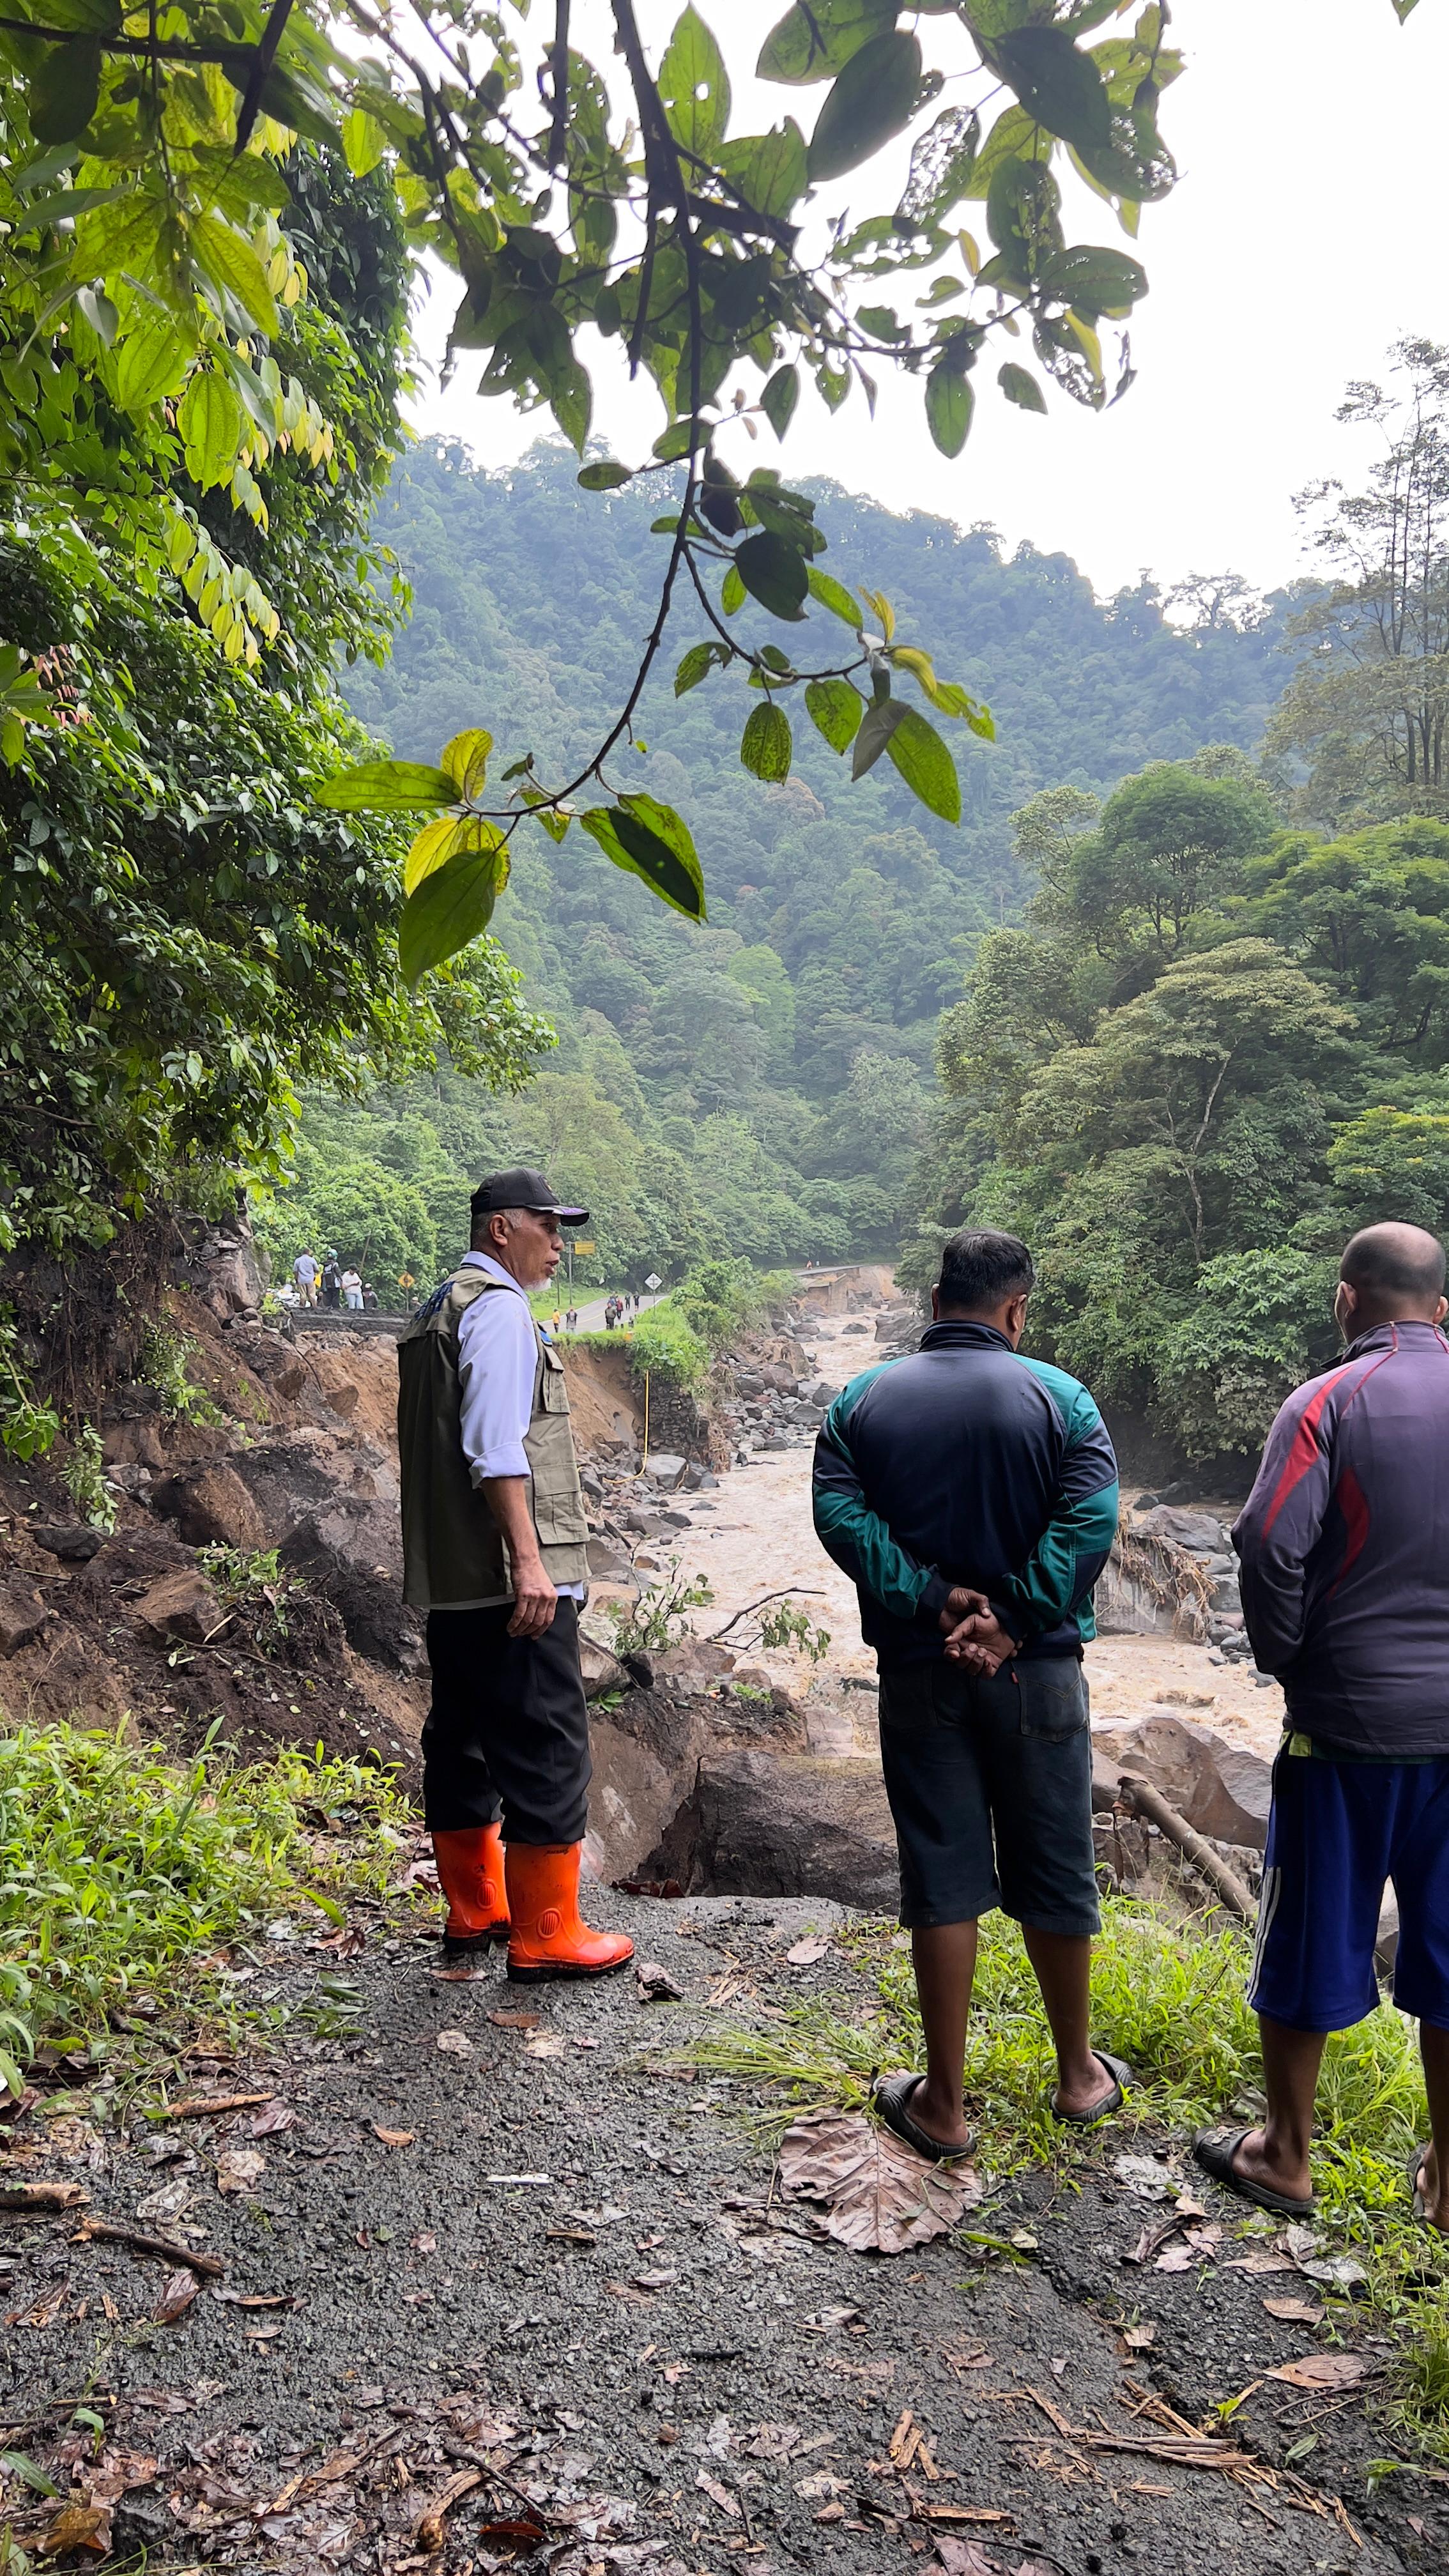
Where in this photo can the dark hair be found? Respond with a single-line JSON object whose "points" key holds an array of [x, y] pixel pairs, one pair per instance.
{"points": [[1394, 1261], [980, 1270]]}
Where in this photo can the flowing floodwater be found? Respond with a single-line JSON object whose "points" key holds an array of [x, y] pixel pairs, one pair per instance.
{"points": [[753, 1534]]}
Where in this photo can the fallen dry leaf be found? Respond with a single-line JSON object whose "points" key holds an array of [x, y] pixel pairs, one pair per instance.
{"points": [[76, 2526], [543, 2043], [1323, 2370], [426, 2243], [461, 1976], [238, 2167], [1295, 2312], [719, 2495], [168, 2202], [178, 2291], [1198, 2245], [455, 2043], [270, 2122], [1142, 2338], [805, 1953], [965, 2558], [879, 2196], [42, 2195], [393, 2137], [516, 2020], [656, 1986], [1260, 2260]]}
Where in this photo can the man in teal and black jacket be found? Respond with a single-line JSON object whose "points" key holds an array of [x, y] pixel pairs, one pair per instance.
{"points": [[971, 1495]]}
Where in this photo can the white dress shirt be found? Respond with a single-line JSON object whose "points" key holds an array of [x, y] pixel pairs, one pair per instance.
{"points": [[497, 1367]]}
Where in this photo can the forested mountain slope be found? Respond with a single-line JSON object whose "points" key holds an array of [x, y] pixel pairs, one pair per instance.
{"points": [[760, 1084]]}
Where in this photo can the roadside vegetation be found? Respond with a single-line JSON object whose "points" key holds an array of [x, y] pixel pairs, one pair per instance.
{"points": [[1171, 1998], [127, 1880]]}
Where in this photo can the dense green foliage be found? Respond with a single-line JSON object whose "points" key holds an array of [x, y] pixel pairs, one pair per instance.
{"points": [[758, 1086], [146, 282], [1213, 1049]]}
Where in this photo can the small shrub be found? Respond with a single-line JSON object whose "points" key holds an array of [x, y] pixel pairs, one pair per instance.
{"points": [[84, 1478], [164, 1357], [659, 1618]]}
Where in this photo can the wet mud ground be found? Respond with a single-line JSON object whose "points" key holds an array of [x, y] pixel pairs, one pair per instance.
{"points": [[536, 2266]]}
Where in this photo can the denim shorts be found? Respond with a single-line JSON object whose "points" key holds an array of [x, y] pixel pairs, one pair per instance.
{"points": [[990, 1786]]}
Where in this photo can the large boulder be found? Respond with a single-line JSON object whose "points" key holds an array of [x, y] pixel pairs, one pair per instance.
{"points": [[767, 1824], [1201, 1531], [1221, 1789], [366, 1597], [182, 1604], [22, 1616], [210, 1506]]}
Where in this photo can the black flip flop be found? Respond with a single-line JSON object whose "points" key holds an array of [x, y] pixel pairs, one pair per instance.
{"points": [[1121, 2074], [1215, 2149], [890, 2098]]}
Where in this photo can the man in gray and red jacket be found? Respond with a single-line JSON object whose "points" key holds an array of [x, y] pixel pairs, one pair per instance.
{"points": [[1344, 1543]]}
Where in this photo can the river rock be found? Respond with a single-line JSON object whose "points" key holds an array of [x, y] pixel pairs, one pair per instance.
{"points": [[665, 1469], [601, 1669], [1202, 1532], [1221, 1789], [766, 1824]]}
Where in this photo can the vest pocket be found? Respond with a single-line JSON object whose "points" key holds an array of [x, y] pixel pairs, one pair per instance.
{"points": [[553, 1393]]}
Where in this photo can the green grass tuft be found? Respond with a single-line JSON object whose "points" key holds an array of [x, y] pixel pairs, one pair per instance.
{"points": [[121, 1872]]}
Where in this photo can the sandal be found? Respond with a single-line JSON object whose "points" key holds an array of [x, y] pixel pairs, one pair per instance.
{"points": [[1107, 2109], [891, 2096], [1215, 2149]]}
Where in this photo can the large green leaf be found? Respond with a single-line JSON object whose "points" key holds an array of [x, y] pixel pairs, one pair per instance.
{"points": [[1058, 85], [769, 170], [450, 907], [465, 761], [1015, 136], [924, 763], [872, 99], [605, 476], [779, 398], [696, 665], [812, 44], [64, 90], [363, 141], [152, 359], [832, 594], [1021, 387], [440, 842], [774, 573], [231, 262], [949, 405], [765, 744], [879, 723], [209, 418], [651, 841], [694, 86], [1094, 281], [835, 709], [388, 787]]}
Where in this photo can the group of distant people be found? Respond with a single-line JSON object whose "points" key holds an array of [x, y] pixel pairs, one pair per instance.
{"points": [[326, 1283], [617, 1307]]}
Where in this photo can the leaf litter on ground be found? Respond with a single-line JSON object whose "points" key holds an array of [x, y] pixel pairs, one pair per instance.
{"points": [[877, 2194]]}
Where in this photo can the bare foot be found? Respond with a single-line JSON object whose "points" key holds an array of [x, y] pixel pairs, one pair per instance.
{"points": [[1085, 2090], [937, 2120], [1256, 2163], [1433, 2192]]}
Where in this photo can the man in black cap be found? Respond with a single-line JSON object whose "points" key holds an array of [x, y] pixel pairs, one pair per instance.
{"points": [[495, 1547]]}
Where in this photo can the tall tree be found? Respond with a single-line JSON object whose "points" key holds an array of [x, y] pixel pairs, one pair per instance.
{"points": [[1369, 707]]}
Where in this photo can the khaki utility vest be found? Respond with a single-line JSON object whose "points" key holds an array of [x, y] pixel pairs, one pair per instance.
{"points": [[454, 1557]]}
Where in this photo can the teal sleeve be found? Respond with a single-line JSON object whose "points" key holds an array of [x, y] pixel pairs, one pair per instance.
{"points": [[1073, 1549], [855, 1536]]}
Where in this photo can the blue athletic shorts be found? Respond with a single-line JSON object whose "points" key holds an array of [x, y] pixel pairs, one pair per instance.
{"points": [[1338, 1832]]}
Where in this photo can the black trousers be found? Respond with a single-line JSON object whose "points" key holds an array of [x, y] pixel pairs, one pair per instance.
{"points": [[508, 1730]]}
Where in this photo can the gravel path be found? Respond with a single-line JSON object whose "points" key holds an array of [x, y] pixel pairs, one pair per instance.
{"points": [[538, 2263]]}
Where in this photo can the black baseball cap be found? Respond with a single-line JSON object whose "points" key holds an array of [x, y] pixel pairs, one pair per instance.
{"points": [[522, 1188]]}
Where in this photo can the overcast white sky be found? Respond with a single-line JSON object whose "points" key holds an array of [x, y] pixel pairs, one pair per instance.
{"points": [[1305, 234]]}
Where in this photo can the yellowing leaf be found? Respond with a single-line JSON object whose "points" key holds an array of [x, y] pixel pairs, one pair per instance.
{"points": [[466, 759]]}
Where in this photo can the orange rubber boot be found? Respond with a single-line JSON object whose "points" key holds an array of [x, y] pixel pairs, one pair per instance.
{"points": [[549, 1938], [471, 1874]]}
